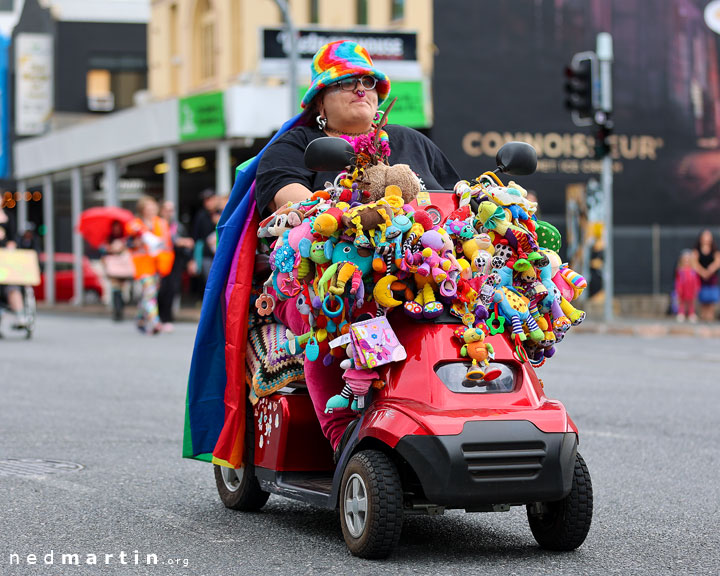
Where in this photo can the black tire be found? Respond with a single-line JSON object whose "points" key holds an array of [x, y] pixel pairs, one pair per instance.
{"points": [[563, 525], [239, 489], [375, 531]]}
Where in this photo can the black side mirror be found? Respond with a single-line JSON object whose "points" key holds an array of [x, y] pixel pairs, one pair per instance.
{"points": [[516, 159], [329, 154]]}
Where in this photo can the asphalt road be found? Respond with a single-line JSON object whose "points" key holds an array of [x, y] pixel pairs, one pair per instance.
{"points": [[103, 396]]}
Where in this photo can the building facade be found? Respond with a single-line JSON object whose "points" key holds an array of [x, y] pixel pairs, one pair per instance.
{"points": [[218, 88]]}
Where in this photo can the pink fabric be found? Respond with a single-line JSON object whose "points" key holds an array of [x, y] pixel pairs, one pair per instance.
{"points": [[687, 284], [322, 381]]}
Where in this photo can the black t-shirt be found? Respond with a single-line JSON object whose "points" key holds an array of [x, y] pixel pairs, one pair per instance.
{"points": [[283, 162]]}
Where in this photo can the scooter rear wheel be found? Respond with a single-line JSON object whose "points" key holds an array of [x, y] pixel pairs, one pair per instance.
{"points": [[563, 525], [239, 488], [371, 505]]}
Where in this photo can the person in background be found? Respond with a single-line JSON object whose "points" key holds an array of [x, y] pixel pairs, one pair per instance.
{"points": [[116, 245], [170, 285], [29, 240], [12, 294], [151, 248], [687, 287], [204, 228], [706, 261]]}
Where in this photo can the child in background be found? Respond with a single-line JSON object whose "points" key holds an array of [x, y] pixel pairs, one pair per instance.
{"points": [[687, 287]]}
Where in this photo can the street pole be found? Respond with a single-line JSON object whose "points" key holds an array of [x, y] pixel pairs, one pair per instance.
{"points": [[293, 56], [604, 49]]}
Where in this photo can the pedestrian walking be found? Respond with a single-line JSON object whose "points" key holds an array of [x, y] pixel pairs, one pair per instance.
{"points": [[687, 287], [706, 261], [170, 285], [119, 267], [151, 248], [203, 232]]}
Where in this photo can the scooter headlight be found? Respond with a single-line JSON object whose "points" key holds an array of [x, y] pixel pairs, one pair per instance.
{"points": [[464, 378]]}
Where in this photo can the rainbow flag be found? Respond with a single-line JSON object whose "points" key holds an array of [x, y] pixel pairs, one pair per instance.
{"points": [[216, 392]]}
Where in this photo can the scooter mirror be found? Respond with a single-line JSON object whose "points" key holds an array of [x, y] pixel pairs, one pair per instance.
{"points": [[516, 159], [329, 154]]}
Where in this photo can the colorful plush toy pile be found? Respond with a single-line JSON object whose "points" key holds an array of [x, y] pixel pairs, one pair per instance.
{"points": [[359, 245]]}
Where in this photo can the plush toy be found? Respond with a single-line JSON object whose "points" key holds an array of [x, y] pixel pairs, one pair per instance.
{"points": [[475, 347], [378, 177]]}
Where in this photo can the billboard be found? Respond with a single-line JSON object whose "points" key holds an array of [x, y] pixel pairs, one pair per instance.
{"points": [[33, 83], [498, 76]]}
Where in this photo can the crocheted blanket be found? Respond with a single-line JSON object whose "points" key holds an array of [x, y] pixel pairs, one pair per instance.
{"points": [[269, 366]]}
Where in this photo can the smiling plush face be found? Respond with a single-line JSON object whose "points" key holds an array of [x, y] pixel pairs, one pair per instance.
{"points": [[346, 252]]}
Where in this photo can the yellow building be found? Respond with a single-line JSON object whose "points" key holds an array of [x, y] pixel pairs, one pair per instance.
{"points": [[204, 45]]}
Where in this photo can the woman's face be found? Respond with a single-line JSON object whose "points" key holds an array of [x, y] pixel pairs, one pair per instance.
{"points": [[350, 111], [706, 237], [149, 211]]}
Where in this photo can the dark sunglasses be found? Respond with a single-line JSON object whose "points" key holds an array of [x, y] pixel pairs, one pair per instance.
{"points": [[350, 84]]}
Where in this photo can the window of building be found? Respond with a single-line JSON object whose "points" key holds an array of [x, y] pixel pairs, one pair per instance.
{"points": [[204, 42], [113, 80], [362, 13], [397, 9], [314, 16]]}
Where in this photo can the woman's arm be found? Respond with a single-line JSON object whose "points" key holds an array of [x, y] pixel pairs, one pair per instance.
{"points": [[695, 259], [290, 193]]}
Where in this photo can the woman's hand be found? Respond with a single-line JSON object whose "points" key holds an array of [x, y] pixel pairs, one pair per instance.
{"points": [[291, 193]]}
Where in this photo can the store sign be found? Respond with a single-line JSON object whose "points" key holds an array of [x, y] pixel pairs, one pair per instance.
{"points": [[4, 108], [202, 117], [393, 52], [33, 84]]}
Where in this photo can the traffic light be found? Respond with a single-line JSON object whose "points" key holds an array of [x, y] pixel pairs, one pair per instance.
{"points": [[603, 131], [579, 82]]}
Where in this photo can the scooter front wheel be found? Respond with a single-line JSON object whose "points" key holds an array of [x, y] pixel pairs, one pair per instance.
{"points": [[371, 505], [563, 525]]}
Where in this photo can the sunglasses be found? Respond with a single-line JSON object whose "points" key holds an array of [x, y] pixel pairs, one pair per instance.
{"points": [[350, 84]]}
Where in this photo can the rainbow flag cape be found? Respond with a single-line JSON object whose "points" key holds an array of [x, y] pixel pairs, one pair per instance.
{"points": [[216, 392]]}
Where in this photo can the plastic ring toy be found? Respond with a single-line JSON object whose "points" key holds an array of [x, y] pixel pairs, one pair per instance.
{"points": [[329, 313], [265, 304]]}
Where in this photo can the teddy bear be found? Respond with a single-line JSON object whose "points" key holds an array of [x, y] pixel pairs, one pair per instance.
{"points": [[376, 178]]}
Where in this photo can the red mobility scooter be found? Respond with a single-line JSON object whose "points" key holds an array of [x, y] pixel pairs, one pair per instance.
{"points": [[428, 441]]}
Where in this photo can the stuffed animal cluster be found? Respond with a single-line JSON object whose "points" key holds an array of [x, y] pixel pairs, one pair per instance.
{"points": [[363, 244]]}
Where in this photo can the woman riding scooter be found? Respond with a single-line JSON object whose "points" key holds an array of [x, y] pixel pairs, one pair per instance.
{"points": [[342, 101]]}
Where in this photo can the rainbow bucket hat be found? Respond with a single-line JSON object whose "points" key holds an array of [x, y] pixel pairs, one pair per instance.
{"points": [[343, 59]]}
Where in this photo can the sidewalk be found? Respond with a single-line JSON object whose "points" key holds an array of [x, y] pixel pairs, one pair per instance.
{"points": [[629, 326]]}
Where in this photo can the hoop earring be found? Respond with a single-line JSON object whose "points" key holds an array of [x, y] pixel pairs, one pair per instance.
{"points": [[376, 118], [321, 122]]}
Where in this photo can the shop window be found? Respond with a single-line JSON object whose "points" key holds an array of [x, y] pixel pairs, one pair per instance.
{"points": [[314, 16], [361, 12], [99, 92], [204, 41], [397, 10], [109, 90]]}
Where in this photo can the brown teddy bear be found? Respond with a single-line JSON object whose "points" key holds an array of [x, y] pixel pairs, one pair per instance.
{"points": [[377, 177]]}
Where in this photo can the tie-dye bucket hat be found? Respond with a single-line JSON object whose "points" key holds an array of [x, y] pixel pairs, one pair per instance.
{"points": [[339, 60]]}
